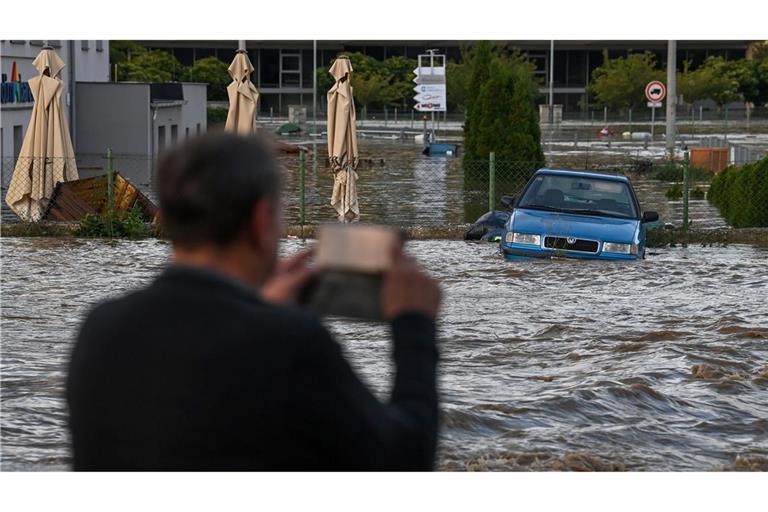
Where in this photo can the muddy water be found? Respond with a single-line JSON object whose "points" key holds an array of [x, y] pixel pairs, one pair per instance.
{"points": [[656, 365]]}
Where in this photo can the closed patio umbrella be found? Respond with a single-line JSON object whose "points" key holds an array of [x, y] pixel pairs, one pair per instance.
{"points": [[46, 157], [243, 95], [342, 142]]}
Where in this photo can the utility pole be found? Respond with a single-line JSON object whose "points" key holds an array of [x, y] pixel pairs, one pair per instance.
{"points": [[551, 81], [671, 96], [314, 85], [72, 93]]}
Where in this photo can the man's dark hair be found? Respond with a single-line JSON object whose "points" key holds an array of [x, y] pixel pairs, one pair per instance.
{"points": [[208, 185]]}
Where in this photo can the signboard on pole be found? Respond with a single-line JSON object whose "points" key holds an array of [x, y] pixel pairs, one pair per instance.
{"points": [[430, 97], [655, 91], [430, 84]]}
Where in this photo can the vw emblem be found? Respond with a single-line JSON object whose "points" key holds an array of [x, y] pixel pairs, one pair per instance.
{"points": [[570, 240]]}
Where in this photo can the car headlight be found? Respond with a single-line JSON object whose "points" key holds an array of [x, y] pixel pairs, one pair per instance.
{"points": [[618, 248], [523, 238]]}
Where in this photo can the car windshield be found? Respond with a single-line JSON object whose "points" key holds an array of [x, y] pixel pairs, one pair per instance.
{"points": [[579, 194]]}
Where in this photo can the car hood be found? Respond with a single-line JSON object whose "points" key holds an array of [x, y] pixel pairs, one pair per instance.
{"points": [[579, 226]]}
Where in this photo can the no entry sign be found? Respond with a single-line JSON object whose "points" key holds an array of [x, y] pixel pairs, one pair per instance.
{"points": [[655, 91]]}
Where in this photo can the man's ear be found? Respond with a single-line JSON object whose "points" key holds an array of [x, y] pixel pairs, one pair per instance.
{"points": [[261, 221]]}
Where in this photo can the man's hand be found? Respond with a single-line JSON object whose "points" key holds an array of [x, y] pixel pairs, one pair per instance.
{"points": [[408, 289], [290, 276]]}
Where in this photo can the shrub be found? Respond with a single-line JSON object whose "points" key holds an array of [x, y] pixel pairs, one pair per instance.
{"points": [[128, 224], [673, 171], [741, 194], [674, 192], [697, 193]]}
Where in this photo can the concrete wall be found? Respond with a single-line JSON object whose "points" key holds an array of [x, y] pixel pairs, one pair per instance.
{"points": [[194, 112], [167, 120], [116, 116], [113, 115]]}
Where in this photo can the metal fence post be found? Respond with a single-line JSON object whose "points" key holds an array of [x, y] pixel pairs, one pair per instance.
{"points": [[110, 192], [302, 205], [686, 166], [491, 181]]}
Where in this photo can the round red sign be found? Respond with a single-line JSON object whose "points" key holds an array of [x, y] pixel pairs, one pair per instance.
{"points": [[655, 91]]}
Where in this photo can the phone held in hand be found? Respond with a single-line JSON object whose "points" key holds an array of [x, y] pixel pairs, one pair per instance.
{"points": [[351, 260]]}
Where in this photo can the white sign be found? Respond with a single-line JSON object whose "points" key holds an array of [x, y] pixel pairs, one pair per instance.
{"points": [[430, 107], [430, 93], [654, 104], [655, 91]]}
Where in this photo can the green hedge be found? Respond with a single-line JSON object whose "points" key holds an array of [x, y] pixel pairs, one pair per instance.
{"points": [[741, 194]]}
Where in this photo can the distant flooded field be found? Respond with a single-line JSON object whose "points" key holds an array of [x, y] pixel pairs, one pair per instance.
{"points": [[653, 365]]}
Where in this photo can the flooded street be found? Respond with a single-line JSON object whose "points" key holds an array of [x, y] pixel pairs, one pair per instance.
{"points": [[545, 365]]}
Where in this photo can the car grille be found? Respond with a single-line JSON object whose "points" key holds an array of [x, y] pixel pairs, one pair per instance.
{"points": [[557, 242]]}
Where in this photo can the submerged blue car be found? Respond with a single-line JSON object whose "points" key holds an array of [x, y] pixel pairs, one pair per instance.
{"points": [[575, 214]]}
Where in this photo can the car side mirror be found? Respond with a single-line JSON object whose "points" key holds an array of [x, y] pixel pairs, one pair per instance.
{"points": [[650, 216], [508, 201]]}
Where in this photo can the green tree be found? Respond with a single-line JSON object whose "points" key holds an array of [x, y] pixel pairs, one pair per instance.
{"points": [[457, 79], [368, 89], [399, 89], [482, 55], [119, 53], [620, 83], [692, 83], [214, 72], [761, 71], [152, 66], [503, 118], [721, 80]]}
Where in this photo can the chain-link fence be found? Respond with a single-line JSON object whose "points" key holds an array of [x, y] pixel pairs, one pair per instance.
{"points": [[31, 190], [417, 190]]}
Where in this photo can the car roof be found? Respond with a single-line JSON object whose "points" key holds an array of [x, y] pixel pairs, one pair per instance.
{"points": [[584, 174]]}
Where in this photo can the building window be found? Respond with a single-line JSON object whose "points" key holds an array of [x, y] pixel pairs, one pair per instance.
{"points": [[174, 133], [186, 132], [198, 128], [36, 43], [15, 41], [55, 43], [290, 69], [99, 45], [160, 138], [269, 68], [84, 45], [307, 70]]}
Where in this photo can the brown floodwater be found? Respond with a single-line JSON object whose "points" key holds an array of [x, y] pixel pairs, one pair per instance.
{"points": [[545, 365]]}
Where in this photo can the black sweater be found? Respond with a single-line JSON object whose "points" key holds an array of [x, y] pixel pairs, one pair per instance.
{"points": [[196, 372]]}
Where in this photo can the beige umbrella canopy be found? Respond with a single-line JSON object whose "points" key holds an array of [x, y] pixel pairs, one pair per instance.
{"points": [[243, 96], [342, 142], [46, 157]]}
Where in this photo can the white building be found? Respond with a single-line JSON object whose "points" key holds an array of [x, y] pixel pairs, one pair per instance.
{"points": [[91, 64]]}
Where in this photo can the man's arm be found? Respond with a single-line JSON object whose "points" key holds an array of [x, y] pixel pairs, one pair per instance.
{"points": [[341, 421]]}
